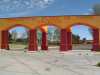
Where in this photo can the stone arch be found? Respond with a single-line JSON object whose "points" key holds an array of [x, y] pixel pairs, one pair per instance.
{"points": [[54, 43], [41, 27], [44, 30], [5, 35], [17, 25], [92, 27], [82, 23], [26, 31], [55, 25]]}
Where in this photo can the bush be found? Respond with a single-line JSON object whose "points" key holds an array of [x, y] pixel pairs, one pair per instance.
{"points": [[98, 64]]}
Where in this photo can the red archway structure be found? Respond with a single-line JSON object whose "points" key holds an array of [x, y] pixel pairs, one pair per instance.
{"points": [[44, 42], [53, 41], [32, 41], [64, 22], [79, 39], [18, 38], [95, 33]]}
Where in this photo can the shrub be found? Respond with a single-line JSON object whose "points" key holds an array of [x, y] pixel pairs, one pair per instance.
{"points": [[98, 64]]}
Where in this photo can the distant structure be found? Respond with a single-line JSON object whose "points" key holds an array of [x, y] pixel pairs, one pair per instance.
{"points": [[64, 23]]}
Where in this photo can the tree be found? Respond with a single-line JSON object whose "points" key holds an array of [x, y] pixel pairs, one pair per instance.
{"points": [[49, 35], [10, 36], [24, 36], [96, 9], [39, 37], [84, 40], [14, 35], [75, 39], [56, 35]]}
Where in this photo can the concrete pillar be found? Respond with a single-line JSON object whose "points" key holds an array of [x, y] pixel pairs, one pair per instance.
{"points": [[66, 40], [96, 45], [44, 45], [5, 39], [33, 40]]}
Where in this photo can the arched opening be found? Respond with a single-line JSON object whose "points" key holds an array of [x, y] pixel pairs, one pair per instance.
{"points": [[18, 38], [53, 37], [82, 37], [48, 38]]}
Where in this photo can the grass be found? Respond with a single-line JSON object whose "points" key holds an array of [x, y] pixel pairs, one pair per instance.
{"points": [[15, 46]]}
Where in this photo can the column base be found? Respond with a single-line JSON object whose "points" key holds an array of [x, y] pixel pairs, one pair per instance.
{"points": [[6, 47], [96, 48], [69, 47], [33, 48], [63, 48], [44, 48]]}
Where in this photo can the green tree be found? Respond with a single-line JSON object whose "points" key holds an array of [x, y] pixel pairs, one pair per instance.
{"points": [[56, 35], [75, 39], [96, 9], [39, 37], [14, 35]]}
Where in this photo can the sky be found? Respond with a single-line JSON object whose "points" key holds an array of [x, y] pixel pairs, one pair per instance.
{"points": [[20, 8], [82, 31]]}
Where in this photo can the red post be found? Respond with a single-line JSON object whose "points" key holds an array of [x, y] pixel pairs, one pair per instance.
{"points": [[66, 43], [44, 45], [33, 40], [5, 40], [96, 46]]}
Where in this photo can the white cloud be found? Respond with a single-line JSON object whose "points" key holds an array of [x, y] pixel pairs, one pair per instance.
{"points": [[19, 5], [89, 12], [16, 8]]}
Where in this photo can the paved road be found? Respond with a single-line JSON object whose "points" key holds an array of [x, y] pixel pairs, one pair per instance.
{"points": [[49, 63]]}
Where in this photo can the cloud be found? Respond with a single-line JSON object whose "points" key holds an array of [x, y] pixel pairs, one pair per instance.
{"points": [[24, 4], [89, 12], [10, 8]]}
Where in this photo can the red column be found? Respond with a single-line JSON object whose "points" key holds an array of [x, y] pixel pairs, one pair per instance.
{"points": [[5, 40], [69, 40], [66, 43], [44, 45], [96, 46], [33, 40]]}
